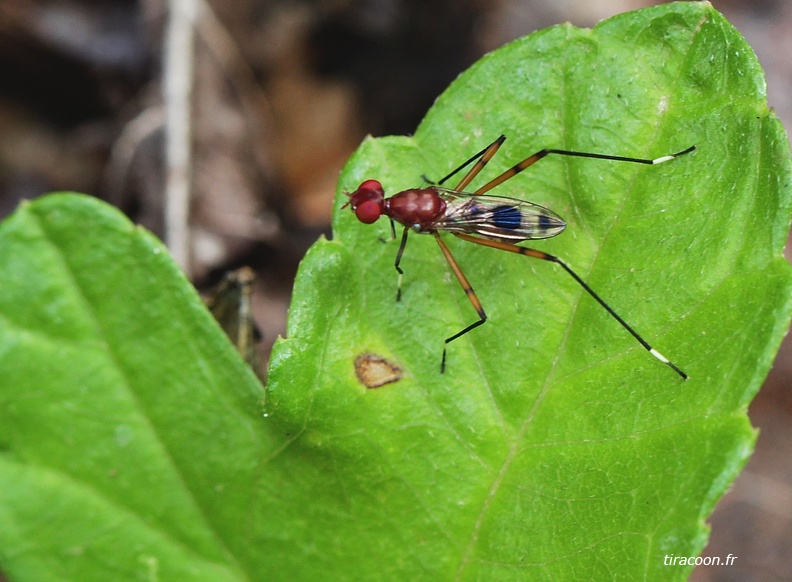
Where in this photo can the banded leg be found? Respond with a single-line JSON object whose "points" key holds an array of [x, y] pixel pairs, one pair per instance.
{"points": [[481, 160], [553, 259], [471, 295], [531, 160]]}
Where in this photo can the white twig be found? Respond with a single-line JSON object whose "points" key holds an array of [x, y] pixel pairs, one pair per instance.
{"points": [[177, 84]]}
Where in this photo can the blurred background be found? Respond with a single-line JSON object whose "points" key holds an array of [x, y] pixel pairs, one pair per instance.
{"points": [[283, 91]]}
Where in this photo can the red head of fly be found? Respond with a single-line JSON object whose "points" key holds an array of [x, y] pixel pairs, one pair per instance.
{"points": [[368, 201]]}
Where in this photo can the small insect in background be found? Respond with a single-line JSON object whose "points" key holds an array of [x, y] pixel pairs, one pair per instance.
{"points": [[230, 304], [492, 221]]}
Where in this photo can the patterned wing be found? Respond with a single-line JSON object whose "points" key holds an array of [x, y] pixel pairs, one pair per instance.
{"points": [[497, 217]]}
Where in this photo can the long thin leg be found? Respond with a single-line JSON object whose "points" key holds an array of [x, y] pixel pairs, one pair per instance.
{"points": [[482, 161], [485, 153], [471, 295], [547, 257], [399, 254], [531, 160]]}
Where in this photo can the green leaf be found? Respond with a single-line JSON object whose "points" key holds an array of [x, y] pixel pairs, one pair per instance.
{"points": [[554, 447], [128, 423], [132, 440]]}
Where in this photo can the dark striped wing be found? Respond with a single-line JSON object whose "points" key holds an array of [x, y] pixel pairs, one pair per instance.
{"points": [[497, 217]]}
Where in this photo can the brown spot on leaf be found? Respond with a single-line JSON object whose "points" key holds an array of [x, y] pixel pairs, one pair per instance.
{"points": [[374, 371]]}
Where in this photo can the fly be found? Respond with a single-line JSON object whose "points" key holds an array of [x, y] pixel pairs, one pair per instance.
{"points": [[492, 221]]}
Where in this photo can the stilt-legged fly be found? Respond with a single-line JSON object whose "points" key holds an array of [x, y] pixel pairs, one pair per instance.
{"points": [[492, 221]]}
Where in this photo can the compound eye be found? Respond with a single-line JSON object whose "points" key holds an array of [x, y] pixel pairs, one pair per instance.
{"points": [[372, 186], [368, 212]]}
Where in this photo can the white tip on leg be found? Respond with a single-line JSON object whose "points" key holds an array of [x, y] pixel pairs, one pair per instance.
{"points": [[663, 159], [659, 356], [668, 363]]}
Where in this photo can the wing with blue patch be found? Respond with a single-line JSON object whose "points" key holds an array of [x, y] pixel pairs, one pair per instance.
{"points": [[497, 217]]}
